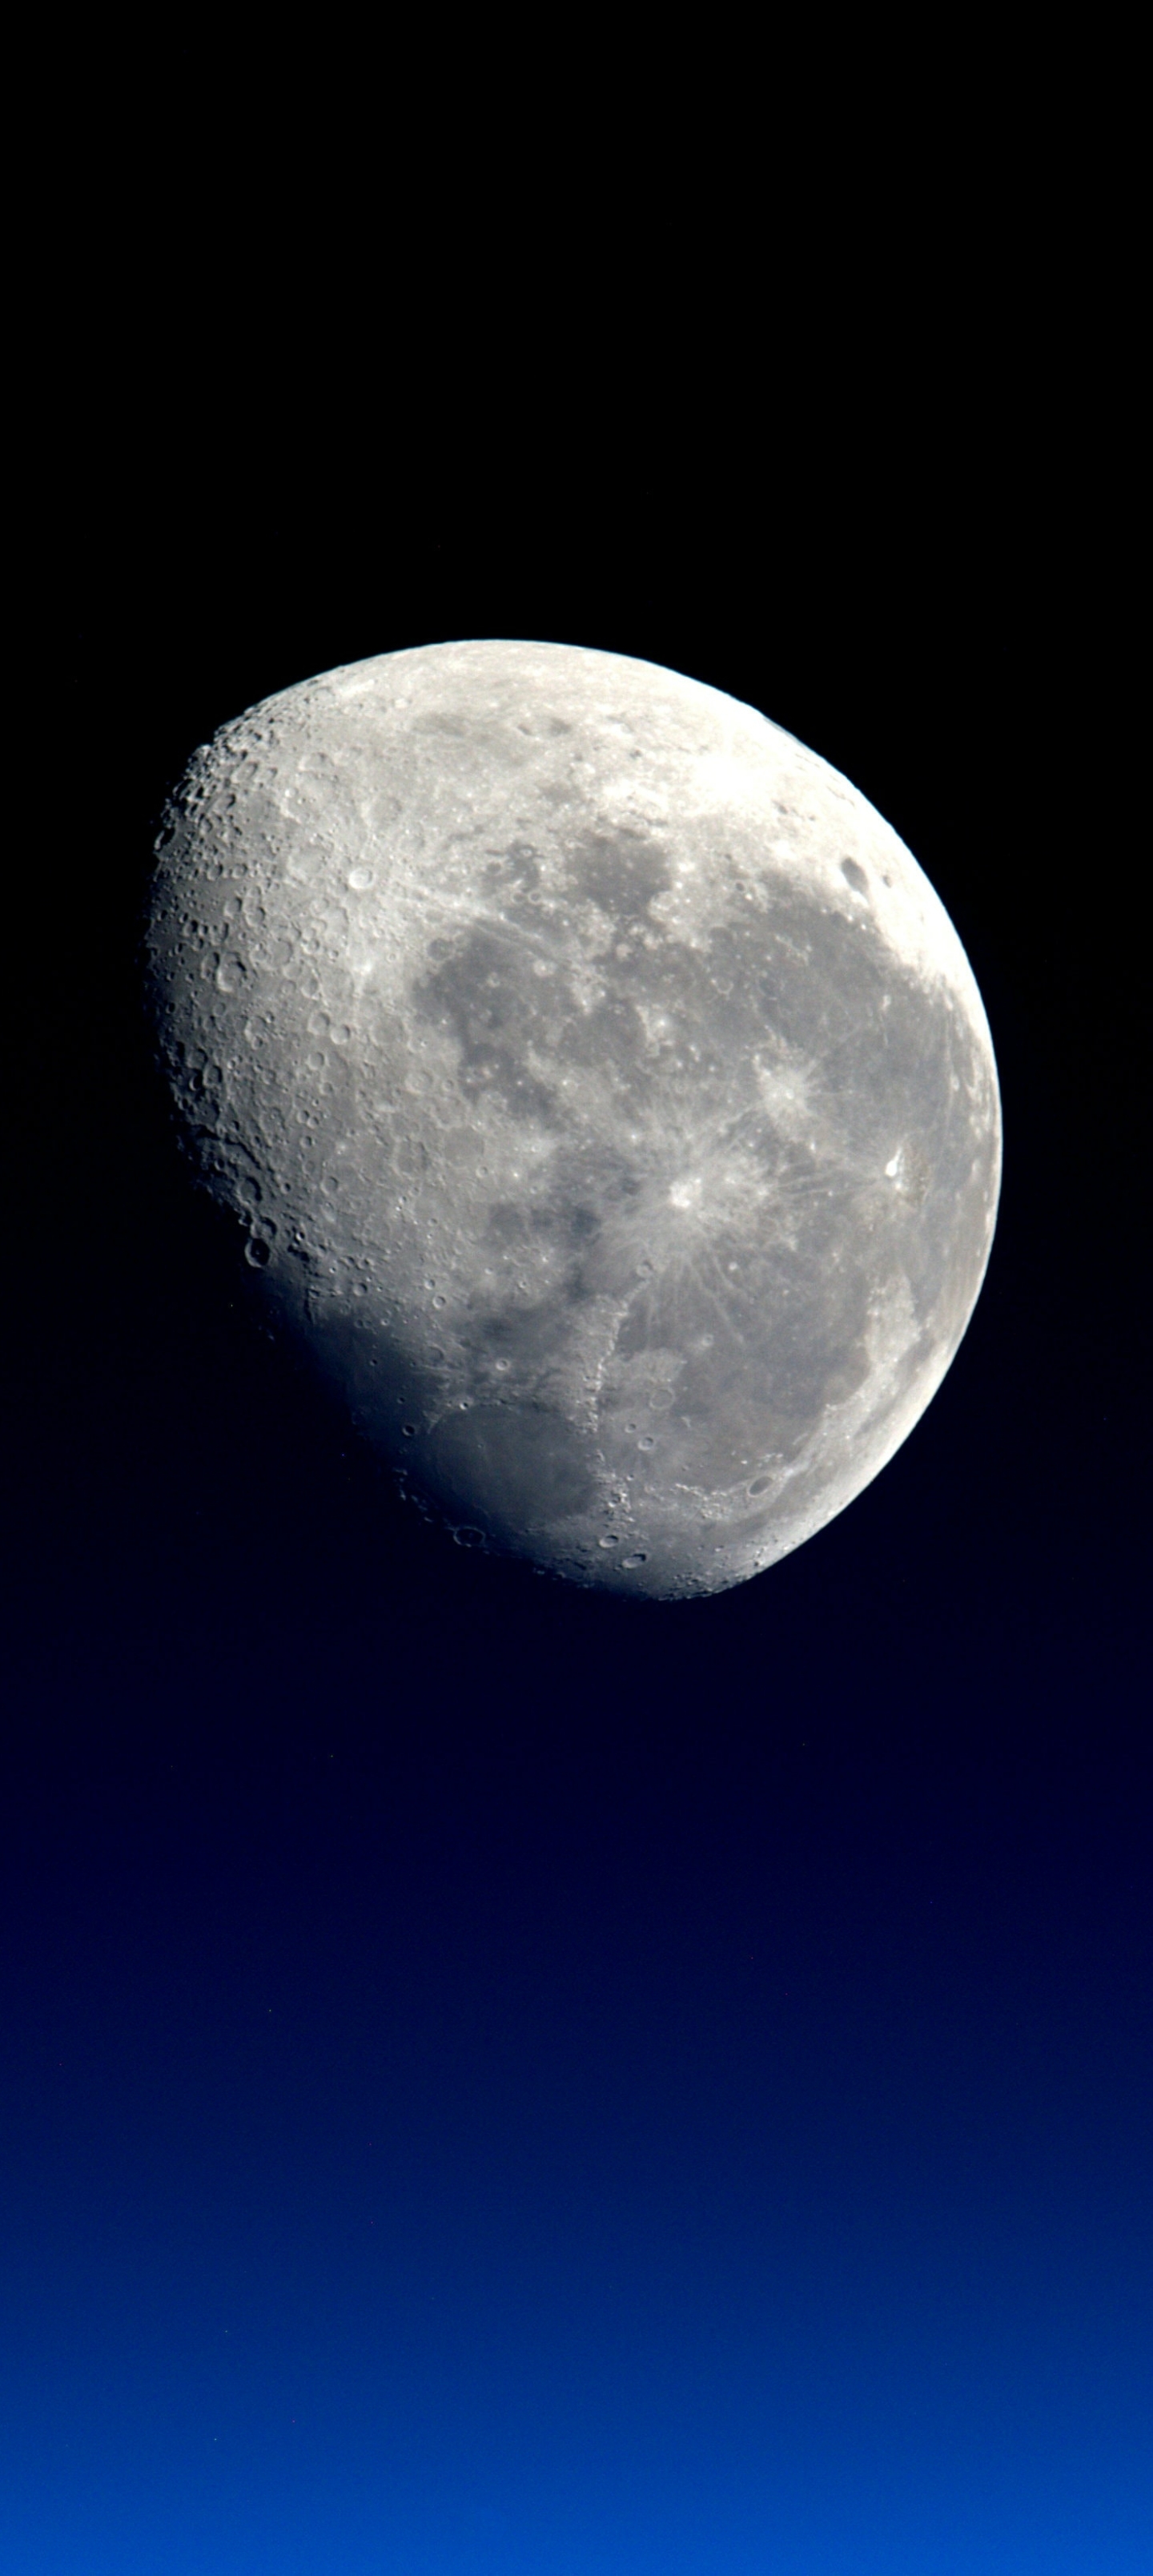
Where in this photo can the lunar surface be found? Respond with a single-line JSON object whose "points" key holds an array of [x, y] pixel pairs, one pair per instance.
{"points": [[599, 1087]]}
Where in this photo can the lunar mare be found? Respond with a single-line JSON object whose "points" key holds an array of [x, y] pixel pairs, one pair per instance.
{"points": [[600, 1088]]}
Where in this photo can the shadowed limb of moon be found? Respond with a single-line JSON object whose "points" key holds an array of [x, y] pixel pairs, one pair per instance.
{"points": [[602, 1090]]}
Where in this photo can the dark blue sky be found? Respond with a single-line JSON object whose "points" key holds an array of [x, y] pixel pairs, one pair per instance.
{"points": [[493, 2078]]}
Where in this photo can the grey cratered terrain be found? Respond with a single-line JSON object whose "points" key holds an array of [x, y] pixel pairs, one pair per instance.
{"points": [[602, 1090]]}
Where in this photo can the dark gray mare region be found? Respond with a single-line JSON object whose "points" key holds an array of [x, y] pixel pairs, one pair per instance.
{"points": [[742, 1324]]}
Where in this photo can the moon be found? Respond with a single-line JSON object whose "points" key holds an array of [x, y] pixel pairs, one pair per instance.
{"points": [[598, 1086]]}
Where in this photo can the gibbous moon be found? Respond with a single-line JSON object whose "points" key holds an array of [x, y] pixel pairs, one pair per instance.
{"points": [[599, 1087]]}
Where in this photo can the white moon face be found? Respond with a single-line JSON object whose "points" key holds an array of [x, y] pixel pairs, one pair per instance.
{"points": [[601, 1088]]}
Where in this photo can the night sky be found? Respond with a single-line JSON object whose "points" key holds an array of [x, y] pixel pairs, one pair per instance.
{"points": [[495, 2078]]}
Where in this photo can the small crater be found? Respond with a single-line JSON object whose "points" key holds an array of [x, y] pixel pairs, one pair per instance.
{"points": [[637, 1558], [760, 1485], [613, 1540], [467, 1537], [257, 1252], [409, 1430], [854, 876], [360, 879]]}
